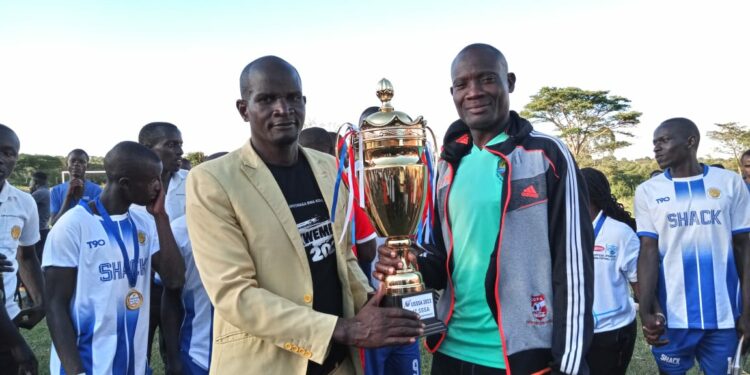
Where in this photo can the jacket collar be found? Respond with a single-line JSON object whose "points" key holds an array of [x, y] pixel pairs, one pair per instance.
{"points": [[458, 141], [262, 179]]}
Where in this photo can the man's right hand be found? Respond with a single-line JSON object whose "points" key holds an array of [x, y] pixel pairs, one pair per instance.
{"points": [[24, 357], [374, 326], [653, 328], [5, 264], [389, 262], [75, 188]]}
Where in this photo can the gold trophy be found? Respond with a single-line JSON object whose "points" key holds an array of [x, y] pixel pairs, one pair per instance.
{"points": [[395, 181]]}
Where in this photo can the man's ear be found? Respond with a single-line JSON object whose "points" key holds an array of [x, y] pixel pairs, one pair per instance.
{"points": [[242, 108], [124, 182], [692, 141], [511, 82]]}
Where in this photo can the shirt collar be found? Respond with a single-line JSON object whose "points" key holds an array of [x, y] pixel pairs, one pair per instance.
{"points": [[5, 193]]}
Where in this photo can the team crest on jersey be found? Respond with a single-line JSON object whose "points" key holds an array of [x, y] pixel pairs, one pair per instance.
{"points": [[538, 306], [501, 166], [141, 238], [15, 232], [714, 193]]}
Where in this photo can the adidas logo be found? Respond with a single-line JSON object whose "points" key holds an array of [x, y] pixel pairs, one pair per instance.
{"points": [[529, 192]]}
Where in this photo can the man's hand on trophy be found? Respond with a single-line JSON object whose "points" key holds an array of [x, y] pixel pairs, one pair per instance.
{"points": [[389, 261], [375, 326]]}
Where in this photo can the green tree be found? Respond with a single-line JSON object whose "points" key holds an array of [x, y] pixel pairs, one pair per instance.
{"points": [[28, 164], [195, 157], [588, 121], [734, 139]]}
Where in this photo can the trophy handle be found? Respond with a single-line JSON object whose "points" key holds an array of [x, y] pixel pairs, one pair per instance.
{"points": [[434, 140]]}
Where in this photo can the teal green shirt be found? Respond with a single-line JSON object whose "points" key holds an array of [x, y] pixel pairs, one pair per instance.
{"points": [[474, 210]]}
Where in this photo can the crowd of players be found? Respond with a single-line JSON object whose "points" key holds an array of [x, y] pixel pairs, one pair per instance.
{"points": [[523, 236]]}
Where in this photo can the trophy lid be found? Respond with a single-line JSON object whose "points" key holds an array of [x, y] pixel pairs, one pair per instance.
{"points": [[387, 115]]}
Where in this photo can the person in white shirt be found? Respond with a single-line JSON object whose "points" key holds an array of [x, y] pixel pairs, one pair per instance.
{"points": [[616, 249], [97, 262], [165, 139], [19, 232], [188, 313], [694, 267]]}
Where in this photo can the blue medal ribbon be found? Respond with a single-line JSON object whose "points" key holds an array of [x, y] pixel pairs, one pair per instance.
{"points": [[111, 228]]}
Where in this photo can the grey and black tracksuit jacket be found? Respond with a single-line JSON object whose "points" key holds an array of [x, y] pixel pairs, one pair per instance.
{"points": [[539, 285]]}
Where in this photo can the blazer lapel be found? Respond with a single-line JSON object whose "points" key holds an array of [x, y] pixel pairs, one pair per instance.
{"points": [[260, 176]]}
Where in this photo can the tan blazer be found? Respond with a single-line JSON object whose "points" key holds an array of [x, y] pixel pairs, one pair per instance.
{"points": [[253, 265]]}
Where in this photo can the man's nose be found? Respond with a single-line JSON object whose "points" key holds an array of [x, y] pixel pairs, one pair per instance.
{"points": [[282, 106]]}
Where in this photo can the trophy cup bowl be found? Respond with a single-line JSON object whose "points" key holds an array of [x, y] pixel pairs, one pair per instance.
{"points": [[395, 189]]}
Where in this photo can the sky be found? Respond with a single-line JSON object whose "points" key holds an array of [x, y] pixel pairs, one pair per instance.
{"points": [[88, 74]]}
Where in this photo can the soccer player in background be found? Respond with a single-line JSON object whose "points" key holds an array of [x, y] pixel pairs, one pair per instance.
{"points": [[20, 232], [65, 196], [694, 267], [97, 262]]}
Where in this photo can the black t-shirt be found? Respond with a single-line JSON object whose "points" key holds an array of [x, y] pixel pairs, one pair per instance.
{"points": [[310, 212]]}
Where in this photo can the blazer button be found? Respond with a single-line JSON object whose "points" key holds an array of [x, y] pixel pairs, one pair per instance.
{"points": [[288, 346], [294, 348], [300, 350], [308, 298], [308, 354]]}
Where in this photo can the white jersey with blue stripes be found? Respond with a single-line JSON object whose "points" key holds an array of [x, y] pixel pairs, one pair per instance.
{"points": [[111, 339], [196, 329], [694, 219]]}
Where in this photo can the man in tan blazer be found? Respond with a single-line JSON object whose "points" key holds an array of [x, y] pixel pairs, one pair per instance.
{"points": [[289, 298]]}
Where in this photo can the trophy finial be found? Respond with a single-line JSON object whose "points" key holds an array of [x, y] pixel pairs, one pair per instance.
{"points": [[385, 94]]}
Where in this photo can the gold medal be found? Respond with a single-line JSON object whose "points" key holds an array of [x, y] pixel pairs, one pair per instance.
{"points": [[133, 300]]}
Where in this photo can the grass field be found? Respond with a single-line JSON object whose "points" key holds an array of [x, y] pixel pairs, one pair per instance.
{"points": [[642, 362]]}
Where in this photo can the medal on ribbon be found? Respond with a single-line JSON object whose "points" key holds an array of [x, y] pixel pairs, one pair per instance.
{"points": [[134, 298]]}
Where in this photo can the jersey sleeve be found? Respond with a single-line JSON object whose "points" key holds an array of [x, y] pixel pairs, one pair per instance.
{"points": [[63, 245], [179, 230], [55, 199], [154, 237], [645, 224], [30, 231], [630, 250], [740, 209], [364, 230]]}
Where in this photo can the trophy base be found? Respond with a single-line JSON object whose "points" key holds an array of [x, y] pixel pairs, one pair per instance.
{"points": [[422, 303]]}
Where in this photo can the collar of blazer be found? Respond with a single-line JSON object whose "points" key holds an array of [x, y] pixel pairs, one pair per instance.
{"points": [[324, 169]]}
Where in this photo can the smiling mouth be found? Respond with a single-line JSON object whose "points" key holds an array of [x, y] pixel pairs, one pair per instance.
{"points": [[478, 108]]}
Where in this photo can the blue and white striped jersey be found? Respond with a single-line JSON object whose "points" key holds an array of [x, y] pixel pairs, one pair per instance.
{"points": [[694, 219], [195, 332], [111, 338]]}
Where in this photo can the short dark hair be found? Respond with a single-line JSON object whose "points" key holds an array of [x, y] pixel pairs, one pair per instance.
{"points": [[78, 151], [316, 138], [485, 48], [40, 177], [151, 132], [215, 155], [258, 63], [686, 127], [746, 153], [127, 158], [7, 130]]}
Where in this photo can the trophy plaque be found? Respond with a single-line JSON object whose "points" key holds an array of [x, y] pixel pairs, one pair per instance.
{"points": [[395, 185]]}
